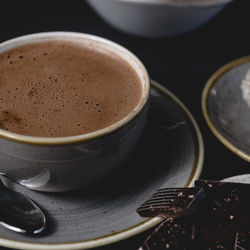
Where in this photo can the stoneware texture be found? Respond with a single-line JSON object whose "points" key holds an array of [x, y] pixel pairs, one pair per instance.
{"points": [[245, 178], [64, 163], [170, 154], [157, 18], [224, 108]]}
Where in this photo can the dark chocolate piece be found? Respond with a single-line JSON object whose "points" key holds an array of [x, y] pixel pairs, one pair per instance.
{"points": [[222, 245], [213, 215], [172, 234], [168, 202], [242, 239], [239, 241], [225, 210]]}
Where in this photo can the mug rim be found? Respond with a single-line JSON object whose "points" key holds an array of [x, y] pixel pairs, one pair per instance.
{"points": [[110, 45]]}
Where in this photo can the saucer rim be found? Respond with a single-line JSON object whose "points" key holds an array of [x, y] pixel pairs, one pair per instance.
{"points": [[140, 227], [211, 82]]}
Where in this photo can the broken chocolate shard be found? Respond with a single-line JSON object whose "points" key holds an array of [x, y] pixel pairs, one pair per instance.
{"points": [[172, 234], [168, 202], [222, 245], [242, 239], [216, 215], [224, 211], [239, 241]]}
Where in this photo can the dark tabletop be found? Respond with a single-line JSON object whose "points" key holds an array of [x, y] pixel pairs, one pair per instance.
{"points": [[182, 63]]}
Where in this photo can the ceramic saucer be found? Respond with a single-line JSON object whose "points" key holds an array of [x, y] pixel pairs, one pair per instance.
{"points": [[245, 178], [226, 112], [170, 154]]}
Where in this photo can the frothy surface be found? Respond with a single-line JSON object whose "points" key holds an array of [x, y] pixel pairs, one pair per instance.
{"points": [[64, 88]]}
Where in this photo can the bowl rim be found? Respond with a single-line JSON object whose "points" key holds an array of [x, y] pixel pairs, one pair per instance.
{"points": [[181, 3], [205, 109], [110, 46]]}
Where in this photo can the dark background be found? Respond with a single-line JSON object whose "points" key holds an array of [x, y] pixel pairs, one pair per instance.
{"points": [[182, 64]]}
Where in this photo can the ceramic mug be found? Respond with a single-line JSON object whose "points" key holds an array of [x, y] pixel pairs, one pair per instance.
{"points": [[64, 163]]}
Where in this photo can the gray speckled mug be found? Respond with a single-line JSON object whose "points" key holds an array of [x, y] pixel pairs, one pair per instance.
{"points": [[64, 163]]}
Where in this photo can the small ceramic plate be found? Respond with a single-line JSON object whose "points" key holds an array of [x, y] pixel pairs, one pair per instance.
{"points": [[245, 178], [170, 154], [226, 112]]}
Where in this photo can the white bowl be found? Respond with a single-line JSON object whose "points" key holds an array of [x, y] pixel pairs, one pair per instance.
{"points": [[157, 18]]}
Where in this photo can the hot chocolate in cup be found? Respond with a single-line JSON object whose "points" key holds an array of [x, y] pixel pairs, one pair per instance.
{"points": [[72, 108]]}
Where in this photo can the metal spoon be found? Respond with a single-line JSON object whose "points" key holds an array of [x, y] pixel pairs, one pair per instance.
{"points": [[19, 213]]}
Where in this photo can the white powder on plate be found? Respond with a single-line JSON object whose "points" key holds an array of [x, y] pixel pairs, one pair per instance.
{"points": [[245, 87]]}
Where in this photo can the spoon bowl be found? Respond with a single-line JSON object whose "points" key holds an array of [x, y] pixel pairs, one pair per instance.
{"points": [[19, 213]]}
